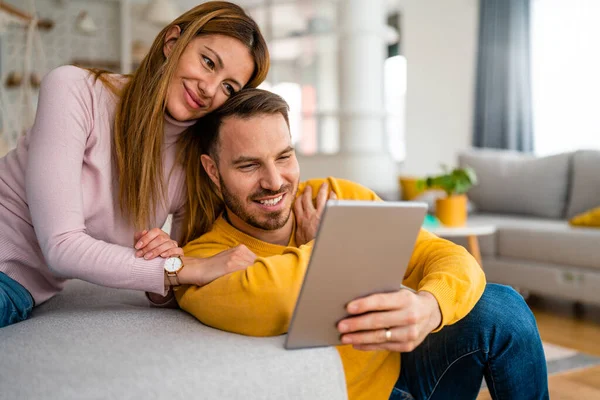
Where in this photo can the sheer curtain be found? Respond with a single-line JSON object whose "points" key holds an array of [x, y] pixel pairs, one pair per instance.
{"points": [[565, 44]]}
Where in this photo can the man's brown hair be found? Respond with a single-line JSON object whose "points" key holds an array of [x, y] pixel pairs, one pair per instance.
{"points": [[245, 104]]}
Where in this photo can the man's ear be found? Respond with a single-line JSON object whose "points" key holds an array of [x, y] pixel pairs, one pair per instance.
{"points": [[210, 166], [170, 38]]}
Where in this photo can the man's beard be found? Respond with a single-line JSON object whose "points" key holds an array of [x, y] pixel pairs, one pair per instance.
{"points": [[273, 221]]}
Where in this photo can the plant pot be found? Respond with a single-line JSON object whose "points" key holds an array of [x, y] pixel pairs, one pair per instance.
{"points": [[452, 211], [408, 187]]}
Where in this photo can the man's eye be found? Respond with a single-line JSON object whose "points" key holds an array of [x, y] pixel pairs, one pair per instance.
{"points": [[209, 63], [246, 167], [286, 157]]}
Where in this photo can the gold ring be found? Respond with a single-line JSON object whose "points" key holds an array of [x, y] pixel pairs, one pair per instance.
{"points": [[388, 335]]}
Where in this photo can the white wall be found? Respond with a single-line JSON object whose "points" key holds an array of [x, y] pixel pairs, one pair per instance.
{"points": [[440, 43]]}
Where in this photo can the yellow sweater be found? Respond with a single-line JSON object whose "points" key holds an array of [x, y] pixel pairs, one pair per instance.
{"points": [[260, 300]]}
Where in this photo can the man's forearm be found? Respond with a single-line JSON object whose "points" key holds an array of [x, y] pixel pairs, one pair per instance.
{"points": [[256, 302]]}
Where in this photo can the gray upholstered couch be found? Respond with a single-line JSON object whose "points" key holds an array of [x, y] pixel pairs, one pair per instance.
{"points": [[90, 342], [530, 200]]}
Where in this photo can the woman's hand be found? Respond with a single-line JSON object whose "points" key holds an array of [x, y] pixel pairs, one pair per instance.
{"points": [[308, 217], [397, 321], [201, 271], [154, 243]]}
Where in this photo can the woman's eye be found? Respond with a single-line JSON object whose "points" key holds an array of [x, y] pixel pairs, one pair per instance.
{"points": [[209, 63], [229, 89]]}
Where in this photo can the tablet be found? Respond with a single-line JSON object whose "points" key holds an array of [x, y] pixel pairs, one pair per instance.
{"points": [[361, 248]]}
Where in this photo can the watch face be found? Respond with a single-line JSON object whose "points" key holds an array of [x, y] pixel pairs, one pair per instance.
{"points": [[173, 264]]}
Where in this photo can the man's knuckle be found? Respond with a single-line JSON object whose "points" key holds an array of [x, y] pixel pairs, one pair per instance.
{"points": [[411, 317], [412, 334]]}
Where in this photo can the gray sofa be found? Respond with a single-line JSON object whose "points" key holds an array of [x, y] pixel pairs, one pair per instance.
{"points": [[90, 342], [530, 200]]}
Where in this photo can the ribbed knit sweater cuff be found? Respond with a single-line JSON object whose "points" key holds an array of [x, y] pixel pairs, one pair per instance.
{"points": [[149, 275]]}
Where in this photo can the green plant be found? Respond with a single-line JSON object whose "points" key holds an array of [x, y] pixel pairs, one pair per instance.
{"points": [[455, 182]]}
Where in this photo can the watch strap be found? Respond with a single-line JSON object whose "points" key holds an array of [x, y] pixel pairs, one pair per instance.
{"points": [[172, 277]]}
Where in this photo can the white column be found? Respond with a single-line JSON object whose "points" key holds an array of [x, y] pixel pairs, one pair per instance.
{"points": [[327, 94], [125, 12], [364, 157]]}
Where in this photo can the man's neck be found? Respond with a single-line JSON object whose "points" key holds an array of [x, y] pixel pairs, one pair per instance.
{"points": [[279, 236]]}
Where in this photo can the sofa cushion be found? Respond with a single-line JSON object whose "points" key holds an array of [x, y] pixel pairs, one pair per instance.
{"points": [[90, 342], [544, 240], [511, 182], [585, 182]]}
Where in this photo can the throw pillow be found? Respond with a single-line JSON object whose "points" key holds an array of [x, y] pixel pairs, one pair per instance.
{"points": [[589, 218]]}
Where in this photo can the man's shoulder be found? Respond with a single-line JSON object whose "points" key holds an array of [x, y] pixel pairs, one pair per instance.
{"points": [[210, 243], [343, 188]]}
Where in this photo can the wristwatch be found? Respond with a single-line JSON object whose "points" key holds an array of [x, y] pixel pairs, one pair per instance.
{"points": [[172, 266]]}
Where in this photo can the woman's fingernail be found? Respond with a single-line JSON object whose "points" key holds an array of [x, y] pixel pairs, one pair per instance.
{"points": [[147, 255], [346, 339], [138, 253], [139, 245], [352, 308], [343, 327]]}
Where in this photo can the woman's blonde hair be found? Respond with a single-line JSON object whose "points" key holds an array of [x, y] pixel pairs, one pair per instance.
{"points": [[139, 122]]}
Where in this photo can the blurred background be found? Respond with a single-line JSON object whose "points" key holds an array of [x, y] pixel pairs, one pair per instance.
{"points": [[377, 88]]}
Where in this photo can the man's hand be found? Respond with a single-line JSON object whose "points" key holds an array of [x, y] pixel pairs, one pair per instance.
{"points": [[409, 316], [308, 217], [154, 243]]}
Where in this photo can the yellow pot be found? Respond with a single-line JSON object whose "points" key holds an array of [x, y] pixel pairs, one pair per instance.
{"points": [[452, 211], [408, 187]]}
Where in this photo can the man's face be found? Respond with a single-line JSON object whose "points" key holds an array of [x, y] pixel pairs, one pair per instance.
{"points": [[258, 172]]}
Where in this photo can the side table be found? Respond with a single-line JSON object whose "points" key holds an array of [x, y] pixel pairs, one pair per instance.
{"points": [[471, 232]]}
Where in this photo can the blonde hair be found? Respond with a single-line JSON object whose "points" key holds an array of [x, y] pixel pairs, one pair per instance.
{"points": [[139, 122]]}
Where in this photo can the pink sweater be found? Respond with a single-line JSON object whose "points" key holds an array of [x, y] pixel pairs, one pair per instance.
{"points": [[59, 213]]}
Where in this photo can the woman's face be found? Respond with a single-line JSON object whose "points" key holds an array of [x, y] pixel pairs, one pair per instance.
{"points": [[211, 68]]}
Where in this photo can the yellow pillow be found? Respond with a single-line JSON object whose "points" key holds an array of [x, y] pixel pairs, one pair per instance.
{"points": [[588, 218]]}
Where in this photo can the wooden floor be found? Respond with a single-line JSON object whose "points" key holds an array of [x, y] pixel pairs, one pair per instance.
{"points": [[564, 324]]}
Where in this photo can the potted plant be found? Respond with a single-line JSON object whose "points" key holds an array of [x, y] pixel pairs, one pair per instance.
{"points": [[452, 209]]}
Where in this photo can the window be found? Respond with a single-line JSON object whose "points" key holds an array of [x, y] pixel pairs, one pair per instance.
{"points": [[394, 90], [565, 75]]}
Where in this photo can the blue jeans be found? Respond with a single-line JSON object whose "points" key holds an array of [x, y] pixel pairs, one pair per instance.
{"points": [[15, 301], [498, 340]]}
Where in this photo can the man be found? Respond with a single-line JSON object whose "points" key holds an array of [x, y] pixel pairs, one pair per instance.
{"points": [[445, 337]]}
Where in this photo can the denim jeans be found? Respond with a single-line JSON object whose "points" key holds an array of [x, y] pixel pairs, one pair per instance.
{"points": [[15, 301], [498, 340]]}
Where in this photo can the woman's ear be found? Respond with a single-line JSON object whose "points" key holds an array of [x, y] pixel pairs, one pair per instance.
{"points": [[170, 38], [211, 169]]}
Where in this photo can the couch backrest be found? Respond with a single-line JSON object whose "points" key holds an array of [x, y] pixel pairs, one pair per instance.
{"points": [[584, 192], [517, 183]]}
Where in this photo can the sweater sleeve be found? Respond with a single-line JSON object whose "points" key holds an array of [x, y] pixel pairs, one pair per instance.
{"points": [[447, 271], [258, 301], [57, 143]]}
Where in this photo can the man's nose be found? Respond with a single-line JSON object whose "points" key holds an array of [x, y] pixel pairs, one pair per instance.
{"points": [[272, 179]]}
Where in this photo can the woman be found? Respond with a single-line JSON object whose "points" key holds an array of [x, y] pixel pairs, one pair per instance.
{"points": [[106, 160]]}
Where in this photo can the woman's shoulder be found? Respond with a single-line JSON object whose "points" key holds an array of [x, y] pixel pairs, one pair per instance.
{"points": [[68, 74], [71, 76]]}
